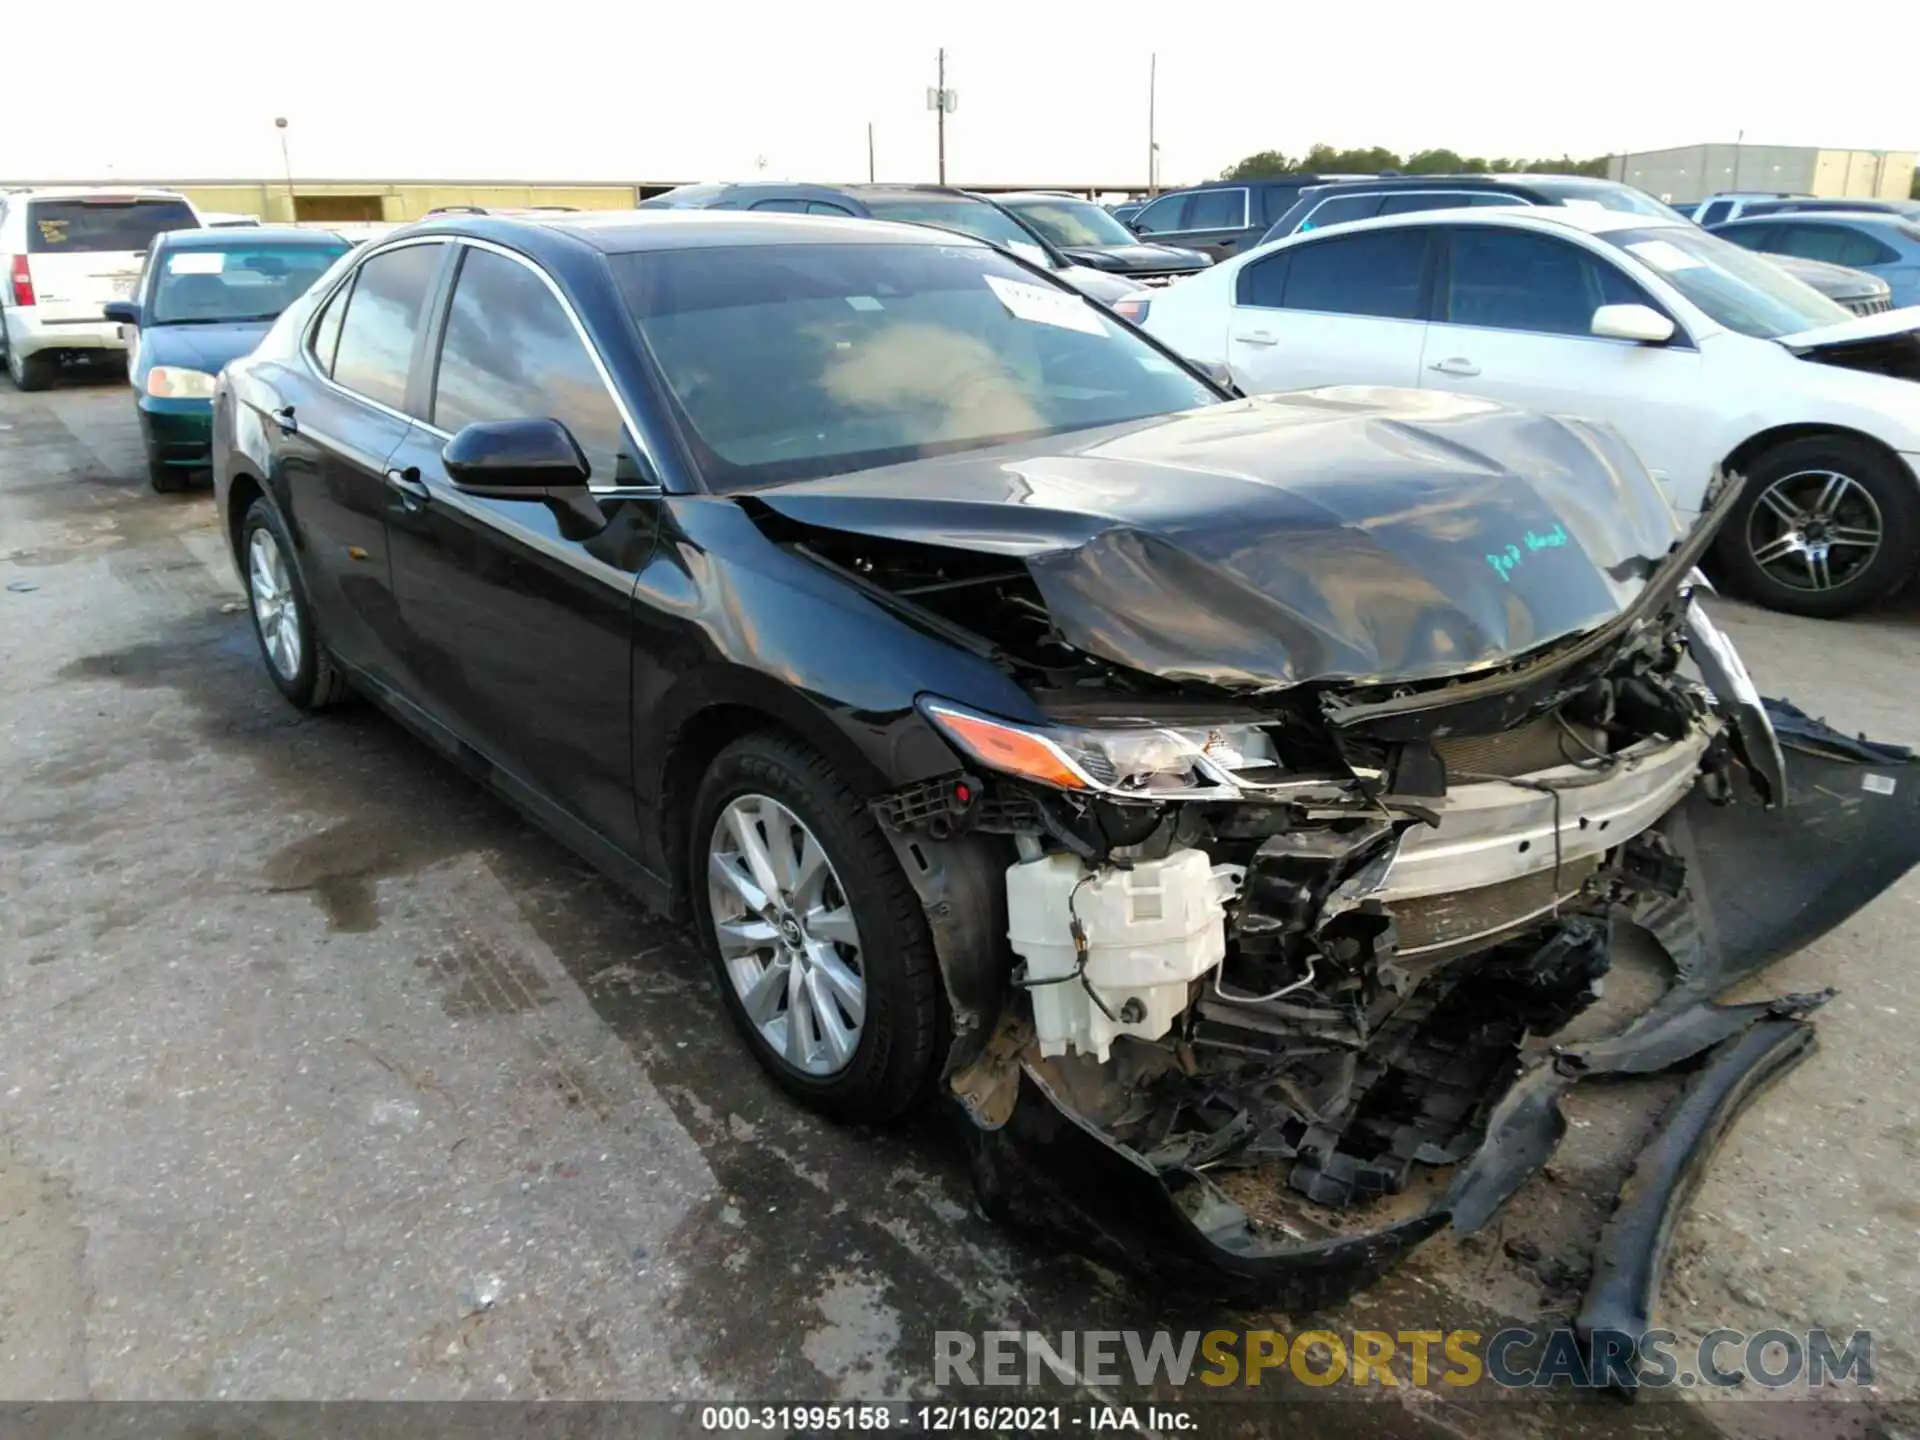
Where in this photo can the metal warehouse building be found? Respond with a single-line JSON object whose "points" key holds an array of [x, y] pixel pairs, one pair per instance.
{"points": [[1693, 172]]}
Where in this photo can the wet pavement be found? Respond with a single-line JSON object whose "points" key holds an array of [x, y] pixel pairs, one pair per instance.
{"points": [[322, 1075]]}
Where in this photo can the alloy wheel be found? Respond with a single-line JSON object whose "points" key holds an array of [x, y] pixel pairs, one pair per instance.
{"points": [[1815, 530], [787, 935], [274, 611]]}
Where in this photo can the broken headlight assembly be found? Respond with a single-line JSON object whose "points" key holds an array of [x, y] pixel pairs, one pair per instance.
{"points": [[1128, 762]]}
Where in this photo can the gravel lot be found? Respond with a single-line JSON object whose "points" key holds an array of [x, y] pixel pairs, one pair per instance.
{"points": [[322, 1075]]}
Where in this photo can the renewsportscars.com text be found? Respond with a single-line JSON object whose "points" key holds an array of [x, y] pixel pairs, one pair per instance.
{"points": [[1513, 1358]]}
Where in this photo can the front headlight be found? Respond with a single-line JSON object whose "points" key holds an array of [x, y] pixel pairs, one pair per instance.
{"points": [[1132, 762], [169, 382]]}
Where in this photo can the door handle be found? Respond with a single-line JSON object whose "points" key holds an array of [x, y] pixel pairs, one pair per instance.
{"points": [[1257, 337], [411, 489], [283, 417], [1458, 365]]}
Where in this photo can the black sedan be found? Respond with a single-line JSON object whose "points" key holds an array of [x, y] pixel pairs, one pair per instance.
{"points": [[1231, 804], [1089, 235]]}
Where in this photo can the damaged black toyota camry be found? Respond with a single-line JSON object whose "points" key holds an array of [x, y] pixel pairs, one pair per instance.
{"points": [[1234, 806]]}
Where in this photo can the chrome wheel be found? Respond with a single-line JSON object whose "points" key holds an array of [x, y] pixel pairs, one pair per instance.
{"points": [[787, 935], [1814, 530], [274, 612]]}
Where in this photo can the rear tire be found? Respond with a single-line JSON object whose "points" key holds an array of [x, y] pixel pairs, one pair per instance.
{"points": [[28, 372], [290, 642], [1826, 526], [852, 915]]}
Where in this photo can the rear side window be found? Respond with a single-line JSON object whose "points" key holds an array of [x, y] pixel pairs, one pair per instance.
{"points": [[326, 334], [821, 207], [1715, 213], [511, 353], [1276, 200], [791, 207], [1381, 273], [1835, 244], [1339, 209], [80, 227], [1445, 200], [1217, 210], [1751, 237], [375, 349]]}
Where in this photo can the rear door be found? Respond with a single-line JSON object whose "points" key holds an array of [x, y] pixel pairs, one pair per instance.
{"points": [[1346, 309], [342, 415], [84, 251], [1514, 321], [519, 623]]}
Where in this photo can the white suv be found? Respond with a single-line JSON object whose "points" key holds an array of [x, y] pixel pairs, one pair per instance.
{"points": [[63, 255]]}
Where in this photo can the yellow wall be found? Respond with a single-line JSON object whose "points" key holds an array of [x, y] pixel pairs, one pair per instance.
{"points": [[268, 199]]}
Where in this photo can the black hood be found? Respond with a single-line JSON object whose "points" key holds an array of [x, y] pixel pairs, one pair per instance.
{"points": [[1136, 259], [1352, 534]]}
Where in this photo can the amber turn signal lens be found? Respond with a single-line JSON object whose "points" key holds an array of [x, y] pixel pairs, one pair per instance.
{"points": [[1003, 747]]}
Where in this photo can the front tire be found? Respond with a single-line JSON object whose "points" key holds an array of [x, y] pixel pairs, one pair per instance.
{"points": [[818, 942], [283, 623], [164, 478], [1827, 525]]}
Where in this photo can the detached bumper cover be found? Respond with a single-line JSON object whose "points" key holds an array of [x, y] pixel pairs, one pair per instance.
{"points": [[1760, 885]]}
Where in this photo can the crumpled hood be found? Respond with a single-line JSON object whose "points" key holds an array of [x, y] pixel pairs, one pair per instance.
{"points": [[1357, 534], [200, 347], [1863, 327]]}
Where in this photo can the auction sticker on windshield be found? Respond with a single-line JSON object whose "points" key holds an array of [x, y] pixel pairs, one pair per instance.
{"points": [[1665, 255], [1045, 307], [197, 262]]}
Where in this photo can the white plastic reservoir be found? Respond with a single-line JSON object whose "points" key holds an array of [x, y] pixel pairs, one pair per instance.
{"points": [[1151, 932]]}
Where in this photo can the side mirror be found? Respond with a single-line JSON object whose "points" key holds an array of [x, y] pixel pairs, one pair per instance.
{"points": [[1639, 323], [515, 459], [526, 460], [1218, 372], [124, 312]]}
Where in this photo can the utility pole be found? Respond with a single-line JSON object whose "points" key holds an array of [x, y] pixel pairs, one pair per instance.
{"points": [[1739, 142], [869, 152], [1153, 147], [943, 116]]}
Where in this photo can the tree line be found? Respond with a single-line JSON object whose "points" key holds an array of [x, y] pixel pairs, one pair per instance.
{"points": [[1325, 160]]}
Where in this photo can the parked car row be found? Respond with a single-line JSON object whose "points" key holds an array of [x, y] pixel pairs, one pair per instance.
{"points": [[1185, 786], [1706, 357]]}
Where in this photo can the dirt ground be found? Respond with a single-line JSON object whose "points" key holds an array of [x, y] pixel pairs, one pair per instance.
{"points": [[323, 1076]]}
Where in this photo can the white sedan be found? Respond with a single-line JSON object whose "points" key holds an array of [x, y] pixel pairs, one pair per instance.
{"points": [[1704, 356]]}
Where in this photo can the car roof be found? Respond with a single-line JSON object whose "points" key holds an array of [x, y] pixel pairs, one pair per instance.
{"points": [[1819, 217], [1588, 219], [99, 192], [216, 236], [619, 232]]}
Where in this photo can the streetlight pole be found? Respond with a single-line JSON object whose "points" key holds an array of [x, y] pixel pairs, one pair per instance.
{"points": [[1153, 148], [943, 116], [870, 152], [286, 165]]}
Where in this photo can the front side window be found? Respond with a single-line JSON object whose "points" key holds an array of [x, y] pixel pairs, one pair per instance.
{"points": [[1339, 209], [1751, 237], [1379, 273], [511, 353], [235, 283], [375, 349], [1835, 244], [78, 227], [1162, 217], [823, 207], [792, 207], [795, 361], [1715, 213], [969, 217], [1748, 294], [1517, 280], [1218, 210]]}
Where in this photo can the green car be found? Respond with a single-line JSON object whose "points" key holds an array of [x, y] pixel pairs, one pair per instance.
{"points": [[204, 298]]}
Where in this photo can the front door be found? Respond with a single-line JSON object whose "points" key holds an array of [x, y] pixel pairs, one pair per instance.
{"points": [[332, 440], [1514, 324], [1340, 310], [518, 619]]}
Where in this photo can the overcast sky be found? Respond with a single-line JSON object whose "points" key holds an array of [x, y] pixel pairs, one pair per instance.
{"points": [[574, 90]]}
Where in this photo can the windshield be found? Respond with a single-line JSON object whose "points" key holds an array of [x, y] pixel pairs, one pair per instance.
{"points": [[1072, 222], [115, 226], [969, 217], [1610, 197], [206, 286], [794, 361], [1747, 293]]}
